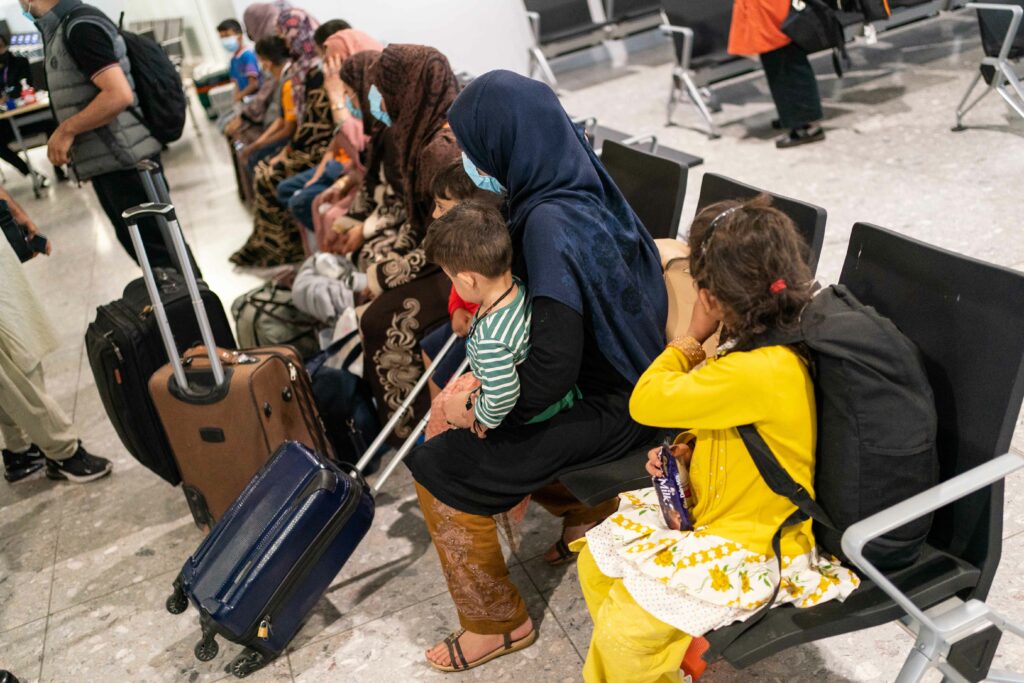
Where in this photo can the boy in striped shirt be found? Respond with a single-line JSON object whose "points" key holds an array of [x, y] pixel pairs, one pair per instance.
{"points": [[472, 245]]}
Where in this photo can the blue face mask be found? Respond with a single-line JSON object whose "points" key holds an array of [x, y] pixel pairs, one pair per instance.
{"points": [[353, 109], [376, 99], [484, 182], [230, 43]]}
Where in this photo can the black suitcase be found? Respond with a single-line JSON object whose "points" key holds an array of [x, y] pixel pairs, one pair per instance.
{"points": [[125, 349]]}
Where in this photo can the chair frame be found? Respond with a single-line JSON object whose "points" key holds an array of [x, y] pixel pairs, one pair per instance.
{"points": [[937, 634], [682, 78], [1004, 78]]}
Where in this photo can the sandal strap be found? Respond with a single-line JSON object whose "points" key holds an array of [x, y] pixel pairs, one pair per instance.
{"points": [[451, 653], [458, 649], [508, 640], [563, 549]]}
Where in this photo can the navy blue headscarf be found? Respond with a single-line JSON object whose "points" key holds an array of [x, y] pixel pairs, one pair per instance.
{"points": [[577, 239]]}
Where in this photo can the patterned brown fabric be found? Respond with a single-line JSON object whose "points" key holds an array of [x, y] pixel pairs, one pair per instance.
{"points": [[276, 238]]}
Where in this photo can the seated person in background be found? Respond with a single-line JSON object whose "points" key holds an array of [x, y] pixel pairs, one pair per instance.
{"points": [[244, 69], [36, 433], [273, 55], [13, 70], [645, 593], [452, 186], [473, 247]]}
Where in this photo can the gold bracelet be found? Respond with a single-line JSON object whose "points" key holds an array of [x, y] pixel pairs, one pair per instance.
{"points": [[691, 348]]}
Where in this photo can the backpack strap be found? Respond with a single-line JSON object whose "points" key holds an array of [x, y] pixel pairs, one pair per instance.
{"points": [[779, 481]]}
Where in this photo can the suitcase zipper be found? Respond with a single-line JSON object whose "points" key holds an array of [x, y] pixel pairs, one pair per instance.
{"points": [[305, 563]]}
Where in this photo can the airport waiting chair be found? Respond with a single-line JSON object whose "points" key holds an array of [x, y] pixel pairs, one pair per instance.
{"points": [[560, 26], [1003, 42], [700, 33], [940, 300], [593, 485], [810, 219], [654, 186]]}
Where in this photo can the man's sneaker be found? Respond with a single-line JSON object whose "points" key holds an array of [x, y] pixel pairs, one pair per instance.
{"points": [[17, 466], [79, 468]]}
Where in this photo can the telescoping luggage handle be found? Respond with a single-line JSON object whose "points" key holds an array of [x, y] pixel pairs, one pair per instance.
{"points": [[165, 213], [156, 191], [410, 442]]}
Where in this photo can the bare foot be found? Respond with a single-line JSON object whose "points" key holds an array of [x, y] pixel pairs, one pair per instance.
{"points": [[476, 645], [570, 534]]}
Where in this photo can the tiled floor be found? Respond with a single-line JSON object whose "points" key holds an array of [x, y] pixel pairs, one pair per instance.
{"points": [[84, 570]]}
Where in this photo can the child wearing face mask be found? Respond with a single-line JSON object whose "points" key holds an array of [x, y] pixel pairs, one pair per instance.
{"points": [[245, 68], [472, 245], [653, 592]]}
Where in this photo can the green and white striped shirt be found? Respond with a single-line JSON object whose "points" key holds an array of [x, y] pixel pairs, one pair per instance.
{"points": [[498, 343]]}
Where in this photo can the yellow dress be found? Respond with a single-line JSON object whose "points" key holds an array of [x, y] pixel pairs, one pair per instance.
{"points": [[724, 569]]}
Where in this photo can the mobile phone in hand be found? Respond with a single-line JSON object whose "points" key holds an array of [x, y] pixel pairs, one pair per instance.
{"points": [[38, 243]]}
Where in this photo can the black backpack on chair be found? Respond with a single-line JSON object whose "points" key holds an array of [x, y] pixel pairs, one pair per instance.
{"points": [[877, 426]]}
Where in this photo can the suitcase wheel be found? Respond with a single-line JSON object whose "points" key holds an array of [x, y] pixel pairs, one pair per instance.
{"points": [[177, 602], [207, 648], [247, 662]]}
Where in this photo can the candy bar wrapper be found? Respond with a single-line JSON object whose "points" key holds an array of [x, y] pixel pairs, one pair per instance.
{"points": [[671, 493]]}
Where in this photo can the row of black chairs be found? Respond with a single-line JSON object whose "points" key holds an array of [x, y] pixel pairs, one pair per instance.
{"points": [[563, 26], [942, 301], [700, 34]]}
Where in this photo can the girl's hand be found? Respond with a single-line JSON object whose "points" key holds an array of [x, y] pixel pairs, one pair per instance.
{"points": [[680, 451], [479, 430], [703, 323]]}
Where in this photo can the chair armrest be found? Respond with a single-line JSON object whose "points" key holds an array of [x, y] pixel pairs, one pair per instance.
{"points": [[859, 534], [1011, 32], [645, 139], [534, 18], [687, 33]]}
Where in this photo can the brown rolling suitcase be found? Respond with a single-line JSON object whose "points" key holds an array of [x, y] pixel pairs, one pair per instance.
{"points": [[225, 413]]}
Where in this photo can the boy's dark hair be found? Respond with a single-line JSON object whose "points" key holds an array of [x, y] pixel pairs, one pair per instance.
{"points": [[325, 31], [273, 49], [752, 259], [229, 25], [452, 183], [472, 237]]}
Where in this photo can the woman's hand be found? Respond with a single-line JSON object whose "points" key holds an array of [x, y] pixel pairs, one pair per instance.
{"points": [[234, 125], [333, 84], [455, 410], [461, 321], [681, 451], [352, 241], [703, 322]]}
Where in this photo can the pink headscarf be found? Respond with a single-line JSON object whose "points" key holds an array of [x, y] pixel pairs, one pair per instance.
{"points": [[346, 43]]}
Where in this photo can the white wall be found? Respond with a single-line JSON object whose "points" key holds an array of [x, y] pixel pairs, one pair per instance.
{"points": [[476, 35]]}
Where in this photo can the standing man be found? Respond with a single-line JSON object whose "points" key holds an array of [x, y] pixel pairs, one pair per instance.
{"points": [[36, 433], [102, 133]]}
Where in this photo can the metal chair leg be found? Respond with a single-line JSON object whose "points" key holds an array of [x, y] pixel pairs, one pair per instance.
{"points": [[675, 90], [961, 111], [914, 668], [540, 62], [1015, 99], [702, 108]]}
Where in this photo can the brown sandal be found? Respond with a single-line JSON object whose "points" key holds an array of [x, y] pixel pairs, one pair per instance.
{"points": [[565, 556], [458, 660]]}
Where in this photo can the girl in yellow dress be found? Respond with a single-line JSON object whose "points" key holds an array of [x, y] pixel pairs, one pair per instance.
{"points": [[651, 590]]}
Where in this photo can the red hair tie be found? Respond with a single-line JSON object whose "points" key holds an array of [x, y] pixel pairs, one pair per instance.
{"points": [[777, 286]]}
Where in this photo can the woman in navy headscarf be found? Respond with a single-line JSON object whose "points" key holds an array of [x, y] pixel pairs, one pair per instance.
{"points": [[599, 309]]}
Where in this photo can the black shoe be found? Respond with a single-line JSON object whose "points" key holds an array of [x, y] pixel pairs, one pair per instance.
{"points": [[17, 466], [80, 468], [801, 136], [7, 677]]}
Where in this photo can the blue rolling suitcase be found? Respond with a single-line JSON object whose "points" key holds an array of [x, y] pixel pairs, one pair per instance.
{"points": [[277, 549], [272, 556]]}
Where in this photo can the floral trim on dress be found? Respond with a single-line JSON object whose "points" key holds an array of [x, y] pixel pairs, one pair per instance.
{"points": [[636, 545]]}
